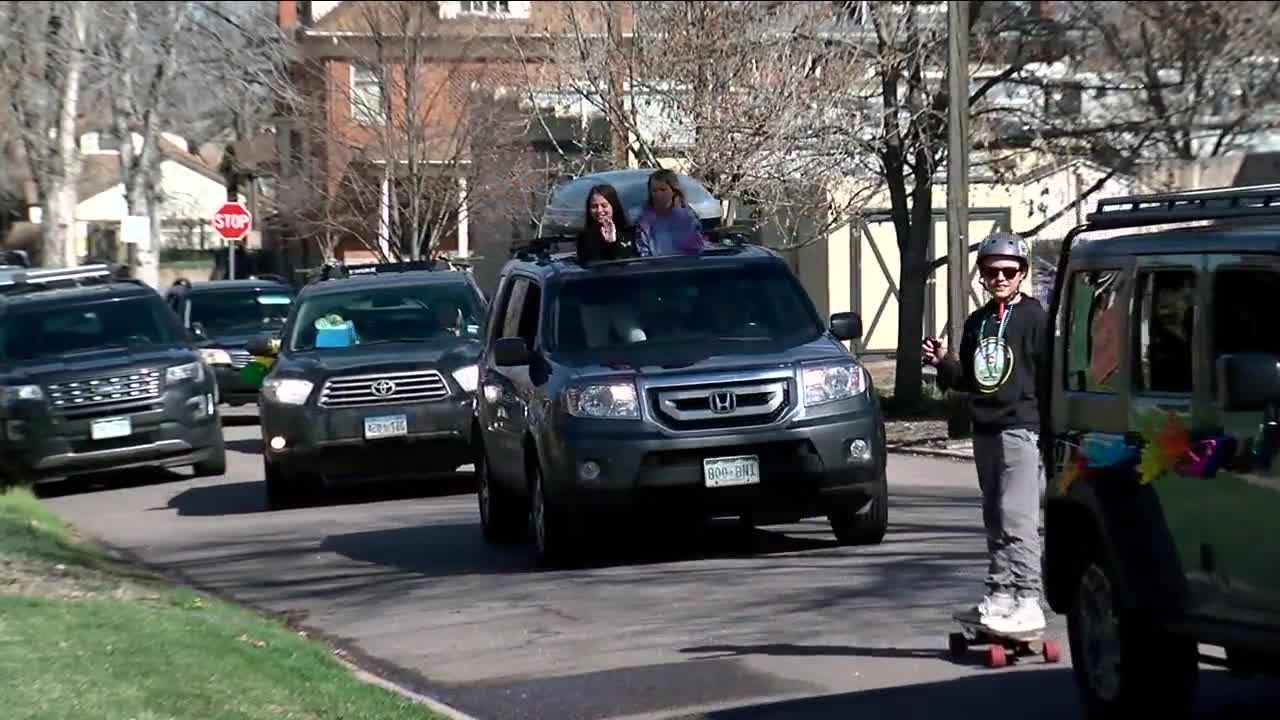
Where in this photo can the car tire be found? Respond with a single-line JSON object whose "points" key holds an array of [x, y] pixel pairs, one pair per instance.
{"points": [[501, 519], [215, 464], [1122, 666], [551, 529], [862, 522]]}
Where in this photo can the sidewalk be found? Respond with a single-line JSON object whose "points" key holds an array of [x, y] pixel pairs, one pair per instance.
{"points": [[925, 437], [920, 437]]}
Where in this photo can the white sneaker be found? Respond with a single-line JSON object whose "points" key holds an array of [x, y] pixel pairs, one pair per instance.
{"points": [[994, 605], [1027, 616]]}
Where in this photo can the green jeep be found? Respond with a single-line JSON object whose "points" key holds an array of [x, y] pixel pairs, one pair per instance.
{"points": [[1161, 422]]}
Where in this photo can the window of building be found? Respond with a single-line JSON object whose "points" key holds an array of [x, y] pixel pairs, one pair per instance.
{"points": [[1095, 340], [367, 101], [485, 7]]}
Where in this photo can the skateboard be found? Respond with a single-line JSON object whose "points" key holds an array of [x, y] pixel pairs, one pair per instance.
{"points": [[1002, 648]]}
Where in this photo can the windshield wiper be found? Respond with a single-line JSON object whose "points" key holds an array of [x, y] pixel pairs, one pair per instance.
{"points": [[384, 341]]}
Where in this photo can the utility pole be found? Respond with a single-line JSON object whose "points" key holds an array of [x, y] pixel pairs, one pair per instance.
{"points": [[619, 139], [957, 169], [958, 424]]}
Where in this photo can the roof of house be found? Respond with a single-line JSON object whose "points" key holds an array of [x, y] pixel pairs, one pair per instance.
{"points": [[101, 171]]}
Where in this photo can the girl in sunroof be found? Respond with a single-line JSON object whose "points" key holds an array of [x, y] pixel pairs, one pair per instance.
{"points": [[667, 225]]}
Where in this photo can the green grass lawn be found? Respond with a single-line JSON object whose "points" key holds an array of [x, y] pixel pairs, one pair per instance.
{"points": [[82, 636]]}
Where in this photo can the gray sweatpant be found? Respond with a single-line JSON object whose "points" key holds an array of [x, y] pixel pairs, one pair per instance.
{"points": [[1011, 476]]}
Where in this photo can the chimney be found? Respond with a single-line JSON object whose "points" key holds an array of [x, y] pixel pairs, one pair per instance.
{"points": [[287, 14]]}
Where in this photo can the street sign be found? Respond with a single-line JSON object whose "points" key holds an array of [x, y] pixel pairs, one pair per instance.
{"points": [[232, 221]]}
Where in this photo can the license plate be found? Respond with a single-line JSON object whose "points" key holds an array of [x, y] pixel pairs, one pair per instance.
{"points": [[383, 427], [108, 428], [725, 471]]}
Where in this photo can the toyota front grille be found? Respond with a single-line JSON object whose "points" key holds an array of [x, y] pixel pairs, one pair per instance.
{"points": [[383, 389]]}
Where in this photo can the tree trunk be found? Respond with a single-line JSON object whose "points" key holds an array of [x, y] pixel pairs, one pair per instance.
{"points": [[911, 296], [58, 224], [149, 257], [912, 282], [58, 231]]}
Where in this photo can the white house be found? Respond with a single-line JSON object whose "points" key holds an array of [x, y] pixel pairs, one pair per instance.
{"points": [[191, 190]]}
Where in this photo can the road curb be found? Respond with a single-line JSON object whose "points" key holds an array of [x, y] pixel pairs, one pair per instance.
{"points": [[931, 452], [355, 660], [431, 703]]}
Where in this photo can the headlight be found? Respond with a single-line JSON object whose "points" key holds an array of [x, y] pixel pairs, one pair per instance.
{"points": [[828, 383], [23, 392], [287, 391], [603, 401], [216, 356], [468, 377], [190, 371]]}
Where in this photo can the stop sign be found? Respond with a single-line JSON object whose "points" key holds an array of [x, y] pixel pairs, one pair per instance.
{"points": [[232, 221]]}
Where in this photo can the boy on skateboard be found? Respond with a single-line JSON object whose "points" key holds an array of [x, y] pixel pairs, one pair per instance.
{"points": [[999, 365]]}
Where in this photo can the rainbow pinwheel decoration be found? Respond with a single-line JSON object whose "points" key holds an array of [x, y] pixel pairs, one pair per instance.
{"points": [[259, 366], [1165, 446]]}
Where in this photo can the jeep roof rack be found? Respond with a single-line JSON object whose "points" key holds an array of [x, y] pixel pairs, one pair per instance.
{"points": [[1187, 206], [24, 280], [540, 248], [338, 270]]}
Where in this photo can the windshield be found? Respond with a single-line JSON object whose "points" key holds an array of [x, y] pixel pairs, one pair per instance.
{"points": [[705, 305], [44, 332], [411, 313], [239, 312]]}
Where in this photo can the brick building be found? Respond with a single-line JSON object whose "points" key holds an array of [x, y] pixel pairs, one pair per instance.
{"points": [[410, 127]]}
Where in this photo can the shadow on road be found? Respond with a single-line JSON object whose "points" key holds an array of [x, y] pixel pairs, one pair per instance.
{"points": [[248, 446], [244, 498], [439, 550], [1043, 694], [238, 420], [112, 480], [792, 650]]}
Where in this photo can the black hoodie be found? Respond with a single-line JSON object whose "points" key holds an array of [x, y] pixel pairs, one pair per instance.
{"points": [[1004, 394], [593, 248]]}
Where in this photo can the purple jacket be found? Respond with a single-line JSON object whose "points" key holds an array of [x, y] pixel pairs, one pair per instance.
{"points": [[678, 233]]}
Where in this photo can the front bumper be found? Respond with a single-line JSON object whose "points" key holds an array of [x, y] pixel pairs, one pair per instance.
{"points": [[181, 428], [331, 442], [803, 466]]}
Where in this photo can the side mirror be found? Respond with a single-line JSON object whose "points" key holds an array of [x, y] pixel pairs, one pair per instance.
{"points": [[511, 352], [197, 331], [262, 346], [1248, 381], [846, 326]]}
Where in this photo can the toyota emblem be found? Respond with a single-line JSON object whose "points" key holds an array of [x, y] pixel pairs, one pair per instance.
{"points": [[383, 388]]}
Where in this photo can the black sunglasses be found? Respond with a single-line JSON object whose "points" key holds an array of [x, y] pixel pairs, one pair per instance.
{"points": [[1009, 273]]}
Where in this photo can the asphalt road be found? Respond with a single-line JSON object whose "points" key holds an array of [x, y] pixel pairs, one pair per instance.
{"points": [[773, 623]]}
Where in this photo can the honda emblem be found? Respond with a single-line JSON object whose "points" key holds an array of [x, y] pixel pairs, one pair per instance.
{"points": [[723, 402]]}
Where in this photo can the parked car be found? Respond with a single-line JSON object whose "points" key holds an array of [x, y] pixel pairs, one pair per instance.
{"points": [[1160, 433], [668, 388], [374, 377], [224, 315], [96, 374]]}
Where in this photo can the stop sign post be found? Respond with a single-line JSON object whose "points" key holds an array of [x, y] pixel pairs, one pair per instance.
{"points": [[232, 222]]}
